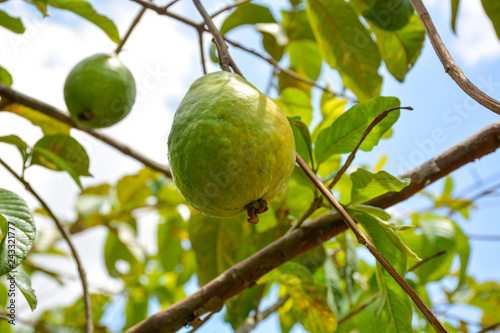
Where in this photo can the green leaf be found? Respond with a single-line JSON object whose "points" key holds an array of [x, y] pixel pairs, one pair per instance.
{"points": [[390, 232], [336, 297], [170, 234], [296, 24], [273, 39], [46, 123], [3, 227], [346, 132], [239, 307], [400, 49], [14, 24], [85, 10], [296, 103], [463, 249], [21, 232], [305, 54], [367, 185], [121, 245], [492, 9], [389, 15], [5, 77], [331, 108], [60, 152], [310, 306], [19, 143], [213, 53], [137, 307], [23, 283], [41, 5], [454, 11], [216, 243], [302, 137], [248, 13], [133, 190], [346, 45], [393, 312], [301, 178]]}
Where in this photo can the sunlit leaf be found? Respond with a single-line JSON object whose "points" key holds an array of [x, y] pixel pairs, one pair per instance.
{"points": [[367, 185], [121, 247], [346, 45], [305, 54], [248, 13], [331, 108], [170, 234], [310, 305], [23, 283], [21, 231], [274, 39], [46, 123], [296, 24], [347, 130], [296, 103], [85, 10]]}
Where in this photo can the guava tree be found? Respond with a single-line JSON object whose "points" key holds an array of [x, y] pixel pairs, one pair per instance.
{"points": [[305, 261]]}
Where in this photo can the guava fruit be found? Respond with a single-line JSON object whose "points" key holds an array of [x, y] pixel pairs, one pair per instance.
{"points": [[231, 148], [99, 91]]}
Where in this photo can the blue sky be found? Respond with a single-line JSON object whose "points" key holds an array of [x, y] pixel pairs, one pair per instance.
{"points": [[164, 57]]}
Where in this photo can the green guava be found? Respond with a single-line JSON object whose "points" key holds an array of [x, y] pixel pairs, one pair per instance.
{"points": [[231, 148], [99, 91]]}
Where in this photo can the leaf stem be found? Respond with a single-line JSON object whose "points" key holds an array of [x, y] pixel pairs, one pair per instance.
{"points": [[83, 277]]}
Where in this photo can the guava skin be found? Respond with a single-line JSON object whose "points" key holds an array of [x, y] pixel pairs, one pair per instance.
{"points": [[229, 146], [99, 91]]}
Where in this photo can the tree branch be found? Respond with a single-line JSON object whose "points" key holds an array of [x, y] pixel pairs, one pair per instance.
{"points": [[229, 7], [252, 322], [449, 64], [67, 237], [245, 274], [418, 264], [130, 29], [57, 114], [202, 53], [225, 58], [360, 308], [164, 11]]}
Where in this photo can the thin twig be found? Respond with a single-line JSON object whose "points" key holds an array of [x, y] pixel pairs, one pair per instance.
{"points": [[360, 308], [435, 255], [57, 114], [202, 52], [449, 64], [67, 237], [163, 11], [229, 7], [252, 322], [224, 56], [490, 328], [294, 75], [130, 29], [173, 2], [364, 240], [349, 160], [312, 208]]}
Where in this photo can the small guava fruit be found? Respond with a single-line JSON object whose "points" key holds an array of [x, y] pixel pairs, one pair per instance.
{"points": [[99, 91], [231, 148]]}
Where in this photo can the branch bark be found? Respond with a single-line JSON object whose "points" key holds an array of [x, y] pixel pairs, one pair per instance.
{"points": [[53, 112], [243, 275], [449, 64]]}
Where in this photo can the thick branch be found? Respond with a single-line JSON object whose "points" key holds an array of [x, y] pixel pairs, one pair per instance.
{"points": [[49, 110], [449, 64], [67, 237], [244, 274]]}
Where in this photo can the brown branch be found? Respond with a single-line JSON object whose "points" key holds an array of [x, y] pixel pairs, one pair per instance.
{"points": [[275, 64], [229, 7], [435, 255], [202, 53], [164, 11], [449, 64], [130, 29], [252, 322], [364, 240], [57, 114], [173, 2], [244, 274], [224, 57], [490, 328], [351, 157], [67, 237]]}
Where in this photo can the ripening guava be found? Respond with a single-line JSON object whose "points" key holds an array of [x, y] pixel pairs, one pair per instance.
{"points": [[231, 148], [99, 91]]}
